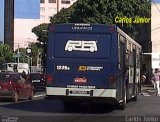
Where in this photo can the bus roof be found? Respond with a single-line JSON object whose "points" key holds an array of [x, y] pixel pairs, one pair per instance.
{"points": [[82, 27]]}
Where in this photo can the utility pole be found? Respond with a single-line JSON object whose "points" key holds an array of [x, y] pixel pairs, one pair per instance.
{"points": [[18, 55], [29, 51], [57, 6]]}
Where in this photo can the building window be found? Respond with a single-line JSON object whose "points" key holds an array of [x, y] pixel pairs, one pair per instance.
{"points": [[42, 9], [52, 10], [42, 1], [49, 17], [42, 17], [51, 1], [65, 1]]}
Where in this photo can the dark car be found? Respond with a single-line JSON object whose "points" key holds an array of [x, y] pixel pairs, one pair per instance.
{"points": [[38, 81], [14, 86]]}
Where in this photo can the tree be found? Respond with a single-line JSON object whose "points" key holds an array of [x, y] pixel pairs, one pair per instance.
{"points": [[41, 32], [104, 12], [6, 54], [35, 49], [99, 11], [34, 53]]}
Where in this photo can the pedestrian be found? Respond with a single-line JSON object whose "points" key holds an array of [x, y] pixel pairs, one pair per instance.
{"points": [[143, 79], [24, 75], [156, 79], [143, 75]]}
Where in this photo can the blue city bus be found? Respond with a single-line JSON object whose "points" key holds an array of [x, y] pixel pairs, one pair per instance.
{"points": [[94, 62]]}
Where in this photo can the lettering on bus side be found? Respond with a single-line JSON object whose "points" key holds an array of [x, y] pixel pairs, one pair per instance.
{"points": [[81, 45], [90, 68], [80, 86], [63, 67], [82, 26]]}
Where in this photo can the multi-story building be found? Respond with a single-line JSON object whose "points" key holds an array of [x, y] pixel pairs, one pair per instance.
{"points": [[26, 16], [48, 8], [21, 16], [155, 32]]}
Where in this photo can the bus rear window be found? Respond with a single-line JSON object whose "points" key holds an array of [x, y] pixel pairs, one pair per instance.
{"points": [[75, 45]]}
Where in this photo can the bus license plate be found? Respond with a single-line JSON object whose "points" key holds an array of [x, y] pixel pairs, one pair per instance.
{"points": [[79, 92]]}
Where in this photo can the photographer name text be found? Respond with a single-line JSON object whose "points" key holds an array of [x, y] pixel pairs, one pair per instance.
{"points": [[135, 20], [142, 119]]}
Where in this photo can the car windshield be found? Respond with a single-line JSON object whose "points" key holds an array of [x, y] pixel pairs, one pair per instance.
{"points": [[4, 77]]}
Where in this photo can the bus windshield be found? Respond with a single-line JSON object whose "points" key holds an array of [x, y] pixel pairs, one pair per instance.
{"points": [[71, 45]]}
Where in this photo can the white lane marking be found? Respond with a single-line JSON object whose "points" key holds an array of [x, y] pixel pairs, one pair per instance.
{"points": [[41, 95]]}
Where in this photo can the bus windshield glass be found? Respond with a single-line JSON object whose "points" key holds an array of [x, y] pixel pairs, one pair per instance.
{"points": [[74, 45]]}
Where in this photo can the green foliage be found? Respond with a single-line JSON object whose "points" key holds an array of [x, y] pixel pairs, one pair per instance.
{"points": [[5, 53], [63, 16], [35, 48], [34, 53], [22, 58], [98, 11], [41, 32], [104, 12]]}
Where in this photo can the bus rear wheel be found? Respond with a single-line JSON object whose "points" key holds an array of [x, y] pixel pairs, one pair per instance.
{"points": [[136, 93], [122, 105]]}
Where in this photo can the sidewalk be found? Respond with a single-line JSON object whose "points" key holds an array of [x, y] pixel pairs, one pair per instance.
{"points": [[147, 89]]}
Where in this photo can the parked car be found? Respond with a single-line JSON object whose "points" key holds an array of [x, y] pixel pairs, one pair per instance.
{"points": [[14, 86], [38, 81]]}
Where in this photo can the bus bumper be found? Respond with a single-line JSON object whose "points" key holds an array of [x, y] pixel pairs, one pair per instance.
{"points": [[79, 92]]}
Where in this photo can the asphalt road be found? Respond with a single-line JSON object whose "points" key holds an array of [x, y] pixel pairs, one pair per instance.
{"points": [[42, 110]]}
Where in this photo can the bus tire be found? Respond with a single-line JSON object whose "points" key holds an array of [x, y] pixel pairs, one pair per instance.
{"points": [[135, 97], [122, 105]]}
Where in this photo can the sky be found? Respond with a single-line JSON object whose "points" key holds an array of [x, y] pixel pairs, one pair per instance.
{"points": [[24, 9], [1, 20], [156, 1], [27, 9]]}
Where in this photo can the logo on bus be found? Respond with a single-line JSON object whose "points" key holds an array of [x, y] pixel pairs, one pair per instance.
{"points": [[81, 45], [90, 68], [82, 68]]}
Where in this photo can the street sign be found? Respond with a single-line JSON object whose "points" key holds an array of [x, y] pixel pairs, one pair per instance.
{"points": [[17, 55]]}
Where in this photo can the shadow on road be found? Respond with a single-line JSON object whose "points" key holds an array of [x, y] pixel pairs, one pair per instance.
{"points": [[56, 106]]}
